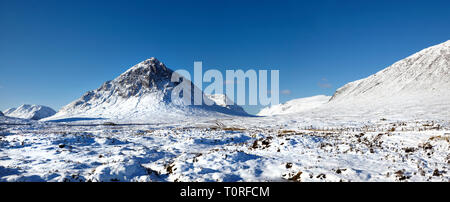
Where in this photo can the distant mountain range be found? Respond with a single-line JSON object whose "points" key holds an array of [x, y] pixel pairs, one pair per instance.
{"points": [[417, 86], [33, 112]]}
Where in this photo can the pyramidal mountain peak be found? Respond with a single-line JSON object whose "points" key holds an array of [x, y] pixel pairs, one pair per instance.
{"points": [[142, 93], [146, 76]]}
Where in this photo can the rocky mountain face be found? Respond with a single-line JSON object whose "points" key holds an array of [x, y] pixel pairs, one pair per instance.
{"points": [[33, 112]]}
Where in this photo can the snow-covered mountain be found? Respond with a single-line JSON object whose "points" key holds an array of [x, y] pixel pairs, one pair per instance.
{"points": [[295, 105], [415, 87], [9, 110], [142, 93], [424, 74], [1, 113], [34, 112], [224, 101]]}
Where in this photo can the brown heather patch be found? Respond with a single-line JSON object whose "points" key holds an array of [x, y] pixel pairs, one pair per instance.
{"points": [[441, 138], [296, 177], [233, 129]]}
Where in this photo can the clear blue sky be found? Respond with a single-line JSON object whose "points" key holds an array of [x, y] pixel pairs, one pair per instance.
{"points": [[51, 52]]}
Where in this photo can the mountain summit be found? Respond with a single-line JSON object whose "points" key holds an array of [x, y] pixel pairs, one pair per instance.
{"points": [[142, 93], [147, 76]]}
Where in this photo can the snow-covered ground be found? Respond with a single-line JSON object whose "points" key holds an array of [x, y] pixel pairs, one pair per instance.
{"points": [[232, 149]]}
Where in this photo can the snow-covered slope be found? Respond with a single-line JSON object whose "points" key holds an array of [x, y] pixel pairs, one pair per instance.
{"points": [[142, 94], [417, 87], [9, 110], [295, 106], [34, 112], [224, 101], [424, 74]]}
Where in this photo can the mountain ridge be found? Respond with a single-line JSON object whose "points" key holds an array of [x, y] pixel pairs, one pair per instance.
{"points": [[417, 86], [423, 73]]}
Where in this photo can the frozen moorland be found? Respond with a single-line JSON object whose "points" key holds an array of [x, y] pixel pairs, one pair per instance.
{"points": [[391, 126], [262, 149]]}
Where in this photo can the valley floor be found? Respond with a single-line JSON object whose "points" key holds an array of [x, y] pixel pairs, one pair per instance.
{"points": [[235, 149]]}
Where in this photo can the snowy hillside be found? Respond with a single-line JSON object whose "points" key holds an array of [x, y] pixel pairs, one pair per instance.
{"points": [[143, 94], [295, 106], [34, 112], [424, 74], [9, 110], [417, 87], [224, 101]]}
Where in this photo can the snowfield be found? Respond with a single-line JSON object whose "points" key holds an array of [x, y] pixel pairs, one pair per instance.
{"points": [[226, 150]]}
